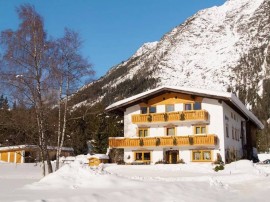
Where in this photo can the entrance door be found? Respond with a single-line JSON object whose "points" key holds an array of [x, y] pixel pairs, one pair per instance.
{"points": [[172, 156]]}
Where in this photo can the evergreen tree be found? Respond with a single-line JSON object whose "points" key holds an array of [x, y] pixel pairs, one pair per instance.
{"points": [[5, 104], [1, 101]]}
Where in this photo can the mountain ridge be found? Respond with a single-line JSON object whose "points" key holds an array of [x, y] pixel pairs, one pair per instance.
{"points": [[202, 52]]}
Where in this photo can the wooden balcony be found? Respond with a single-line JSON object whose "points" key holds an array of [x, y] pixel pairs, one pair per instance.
{"points": [[194, 140], [191, 115]]}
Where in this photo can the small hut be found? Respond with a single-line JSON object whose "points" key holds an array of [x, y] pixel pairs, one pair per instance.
{"points": [[29, 153], [96, 159]]}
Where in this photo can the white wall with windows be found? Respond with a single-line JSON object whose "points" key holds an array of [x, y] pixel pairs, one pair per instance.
{"points": [[232, 137], [216, 125]]}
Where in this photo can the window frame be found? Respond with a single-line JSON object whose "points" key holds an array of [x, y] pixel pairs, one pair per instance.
{"points": [[169, 105], [192, 106], [227, 130], [143, 129], [170, 127], [201, 155], [146, 112], [200, 126], [142, 156], [148, 109]]}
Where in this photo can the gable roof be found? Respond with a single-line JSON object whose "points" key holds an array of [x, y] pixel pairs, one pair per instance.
{"points": [[230, 98], [33, 147]]}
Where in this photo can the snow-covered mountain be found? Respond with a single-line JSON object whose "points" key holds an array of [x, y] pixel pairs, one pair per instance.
{"points": [[207, 51]]}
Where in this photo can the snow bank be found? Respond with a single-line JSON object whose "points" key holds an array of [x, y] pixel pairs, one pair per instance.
{"points": [[76, 175], [263, 157]]}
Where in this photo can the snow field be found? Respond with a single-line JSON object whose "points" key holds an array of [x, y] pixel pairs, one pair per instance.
{"points": [[241, 180]]}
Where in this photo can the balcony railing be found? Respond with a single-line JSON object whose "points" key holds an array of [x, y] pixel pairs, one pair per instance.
{"points": [[191, 115], [195, 140]]}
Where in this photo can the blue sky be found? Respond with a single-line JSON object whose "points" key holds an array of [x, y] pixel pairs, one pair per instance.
{"points": [[112, 30]]}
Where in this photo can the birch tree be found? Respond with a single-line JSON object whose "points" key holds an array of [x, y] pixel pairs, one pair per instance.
{"points": [[68, 67], [25, 68]]}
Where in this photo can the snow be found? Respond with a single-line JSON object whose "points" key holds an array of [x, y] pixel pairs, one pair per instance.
{"points": [[99, 156], [263, 157], [20, 147], [240, 181], [205, 92]]}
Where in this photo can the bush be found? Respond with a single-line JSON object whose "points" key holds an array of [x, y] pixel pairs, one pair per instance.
{"points": [[120, 162], [180, 161], [161, 162], [218, 167]]}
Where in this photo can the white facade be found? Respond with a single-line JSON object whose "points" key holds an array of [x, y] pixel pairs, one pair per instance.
{"points": [[225, 122]]}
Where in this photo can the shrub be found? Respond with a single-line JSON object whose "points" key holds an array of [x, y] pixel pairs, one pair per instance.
{"points": [[181, 161], [120, 162], [218, 167], [161, 162]]}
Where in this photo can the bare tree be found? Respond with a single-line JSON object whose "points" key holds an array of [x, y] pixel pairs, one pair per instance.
{"points": [[25, 68], [68, 69]]}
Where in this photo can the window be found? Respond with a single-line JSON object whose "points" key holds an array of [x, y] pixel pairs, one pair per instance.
{"points": [[143, 132], [152, 109], [200, 129], [197, 106], [188, 107], [233, 133], [143, 110], [169, 108], [143, 156], [202, 155], [227, 130], [193, 106], [170, 131]]}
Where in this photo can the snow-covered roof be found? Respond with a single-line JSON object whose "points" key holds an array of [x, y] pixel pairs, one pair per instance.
{"points": [[22, 147], [194, 91], [99, 156]]}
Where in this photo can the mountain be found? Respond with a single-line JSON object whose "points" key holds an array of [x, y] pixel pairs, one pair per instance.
{"points": [[223, 48]]}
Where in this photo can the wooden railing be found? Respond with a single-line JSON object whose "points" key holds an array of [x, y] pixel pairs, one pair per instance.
{"points": [[171, 116], [196, 140]]}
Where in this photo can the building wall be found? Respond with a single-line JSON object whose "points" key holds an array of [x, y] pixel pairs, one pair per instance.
{"points": [[215, 110], [233, 143], [219, 114], [182, 128], [11, 156], [130, 128]]}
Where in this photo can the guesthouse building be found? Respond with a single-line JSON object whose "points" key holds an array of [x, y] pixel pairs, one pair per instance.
{"points": [[177, 124]]}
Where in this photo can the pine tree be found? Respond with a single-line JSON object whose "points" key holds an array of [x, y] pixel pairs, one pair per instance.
{"points": [[5, 104], [1, 101]]}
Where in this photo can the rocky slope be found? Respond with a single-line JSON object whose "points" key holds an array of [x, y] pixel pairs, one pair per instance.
{"points": [[214, 49]]}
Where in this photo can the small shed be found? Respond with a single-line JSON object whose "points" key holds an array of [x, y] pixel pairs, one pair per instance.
{"points": [[29, 153], [96, 159]]}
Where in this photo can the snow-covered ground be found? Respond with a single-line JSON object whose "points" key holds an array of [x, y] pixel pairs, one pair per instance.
{"points": [[240, 181]]}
